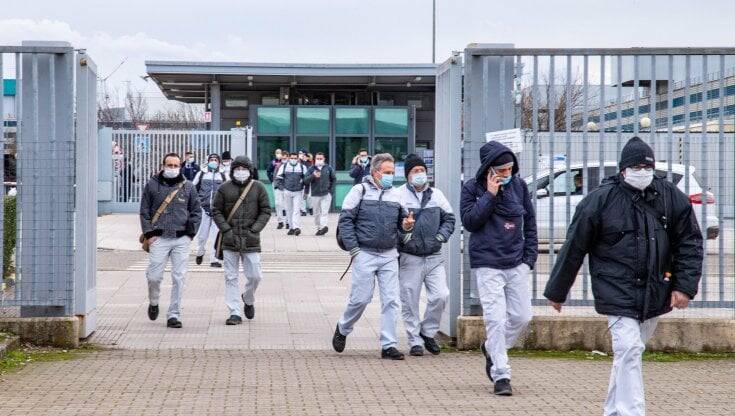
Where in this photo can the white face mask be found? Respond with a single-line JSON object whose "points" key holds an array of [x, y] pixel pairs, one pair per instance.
{"points": [[171, 173], [638, 179], [241, 175], [319, 163]]}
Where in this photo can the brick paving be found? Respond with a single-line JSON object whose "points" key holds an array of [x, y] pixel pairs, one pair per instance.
{"points": [[281, 363]]}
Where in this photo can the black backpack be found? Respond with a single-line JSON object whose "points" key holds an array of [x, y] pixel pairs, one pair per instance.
{"points": [[340, 243]]}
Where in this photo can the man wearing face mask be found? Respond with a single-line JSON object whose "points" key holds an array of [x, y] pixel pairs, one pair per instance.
{"points": [[206, 183], [360, 166], [290, 179], [169, 216], [279, 191], [241, 235], [191, 168], [645, 257], [226, 162], [370, 226], [421, 263], [321, 178], [496, 208]]}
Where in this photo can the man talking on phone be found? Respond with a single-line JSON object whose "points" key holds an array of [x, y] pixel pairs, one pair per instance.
{"points": [[496, 208]]}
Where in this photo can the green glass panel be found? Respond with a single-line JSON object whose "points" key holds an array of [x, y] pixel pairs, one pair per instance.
{"points": [[391, 121], [312, 120], [396, 146], [266, 148], [347, 148], [274, 120], [313, 145], [351, 120]]}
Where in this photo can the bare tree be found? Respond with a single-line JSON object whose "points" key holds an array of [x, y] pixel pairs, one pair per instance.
{"points": [[137, 107], [565, 100], [108, 105], [183, 117]]}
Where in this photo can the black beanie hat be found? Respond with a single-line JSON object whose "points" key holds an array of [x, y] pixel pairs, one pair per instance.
{"points": [[502, 159], [636, 152], [226, 155], [411, 162]]}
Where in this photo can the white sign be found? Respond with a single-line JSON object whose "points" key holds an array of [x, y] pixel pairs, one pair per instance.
{"points": [[207, 116], [511, 138]]}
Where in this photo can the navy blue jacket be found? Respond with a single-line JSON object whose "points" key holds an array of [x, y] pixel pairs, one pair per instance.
{"points": [[359, 171], [503, 226], [189, 170]]}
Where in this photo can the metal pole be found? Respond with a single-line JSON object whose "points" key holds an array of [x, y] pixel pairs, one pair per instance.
{"points": [[433, 31]]}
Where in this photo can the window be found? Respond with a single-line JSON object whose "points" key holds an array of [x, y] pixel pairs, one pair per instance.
{"points": [[313, 145], [391, 122], [678, 101], [695, 98], [610, 116], [266, 151], [730, 90], [312, 120], [628, 112], [274, 121], [712, 94], [347, 148], [679, 118], [695, 115], [349, 121], [644, 109], [236, 102], [396, 146]]}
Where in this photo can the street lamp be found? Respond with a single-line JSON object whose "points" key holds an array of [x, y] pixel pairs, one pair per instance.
{"points": [[645, 122], [591, 126]]}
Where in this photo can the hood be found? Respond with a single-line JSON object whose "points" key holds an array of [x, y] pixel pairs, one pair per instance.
{"points": [[489, 152], [242, 161]]}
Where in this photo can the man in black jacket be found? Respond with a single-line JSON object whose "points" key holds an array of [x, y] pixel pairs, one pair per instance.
{"points": [[646, 254]]}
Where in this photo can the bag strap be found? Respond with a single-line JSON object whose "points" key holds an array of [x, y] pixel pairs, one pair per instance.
{"points": [[165, 203], [235, 207]]}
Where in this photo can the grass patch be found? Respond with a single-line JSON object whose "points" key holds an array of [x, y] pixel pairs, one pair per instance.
{"points": [[16, 359]]}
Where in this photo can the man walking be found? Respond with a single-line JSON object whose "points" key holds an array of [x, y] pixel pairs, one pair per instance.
{"points": [[241, 210], [360, 166], [206, 183], [496, 208], [169, 216], [645, 257], [370, 226], [290, 179], [191, 168], [421, 263], [321, 178]]}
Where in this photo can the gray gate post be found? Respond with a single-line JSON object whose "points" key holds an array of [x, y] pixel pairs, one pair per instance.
{"points": [[447, 169], [238, 145], [488, 106], [104, 165]]}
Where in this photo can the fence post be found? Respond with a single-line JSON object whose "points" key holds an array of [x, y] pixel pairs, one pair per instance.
{"points": [[238, 145], [104, 165]]}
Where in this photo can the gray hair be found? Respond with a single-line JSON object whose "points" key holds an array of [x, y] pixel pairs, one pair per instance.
{"points": [[378, 161]]}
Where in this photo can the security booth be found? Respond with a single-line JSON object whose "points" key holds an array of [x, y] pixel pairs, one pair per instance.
{"points": [[336, 109]]}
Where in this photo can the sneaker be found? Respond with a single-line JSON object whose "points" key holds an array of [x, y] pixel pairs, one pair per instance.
{"points": [[488, 362], [249, 311], [280, 225], [417, 351], [199, 260], [152, 312], [215, 264], [290, 232], [303, 213], [297, 231], [173, 323], [391, 354], [322, 231], [233, 320], [430, 344], [503, 388], [338, 340]]}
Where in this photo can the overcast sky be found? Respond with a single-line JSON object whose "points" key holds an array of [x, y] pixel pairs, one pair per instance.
{"points": [[348, 31]]}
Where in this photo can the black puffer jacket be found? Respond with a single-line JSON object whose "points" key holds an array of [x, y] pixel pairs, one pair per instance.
{"points": [[631, 249], [242, 233]]}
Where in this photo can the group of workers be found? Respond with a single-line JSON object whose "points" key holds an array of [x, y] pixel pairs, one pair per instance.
{"points": [[644, 245]]}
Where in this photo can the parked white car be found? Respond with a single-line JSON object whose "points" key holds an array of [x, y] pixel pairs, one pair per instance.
{"points": [[562, 182]]}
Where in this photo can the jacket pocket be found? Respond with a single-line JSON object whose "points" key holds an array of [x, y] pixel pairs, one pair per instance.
{"points": [[251, 239], [616, 291], [614, 232]]}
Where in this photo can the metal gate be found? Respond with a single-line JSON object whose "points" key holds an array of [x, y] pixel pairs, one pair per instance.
{"points": [[129, 158], [54, 269], [575, 109]]}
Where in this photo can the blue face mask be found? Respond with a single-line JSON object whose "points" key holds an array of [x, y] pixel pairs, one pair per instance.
{"points": [[506, 180], [213, 165], [293, 162], [386, 181], [419, 179]]}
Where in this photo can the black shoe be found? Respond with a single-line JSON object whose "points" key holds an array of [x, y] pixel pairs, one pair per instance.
{"points": [[338, 340], [322, 231], [249, 311], [391, 354], [173, 323], [303, 213], [152, 312], [430, 344], [233, 320], [199, 260], [503, 388], [417, 351], [297, 231], [215, 264], [290, 232], [488, 362], [280, 225], [311, 211], [288, 226]]}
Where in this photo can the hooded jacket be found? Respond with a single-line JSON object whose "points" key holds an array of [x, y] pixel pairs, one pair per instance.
{"points": [[631, 249], [181, 217], [503, 226], [242, 233]]}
